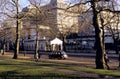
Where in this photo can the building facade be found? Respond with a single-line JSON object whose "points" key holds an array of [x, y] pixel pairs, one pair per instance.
{"points": [[61, 20], [58, 19]]}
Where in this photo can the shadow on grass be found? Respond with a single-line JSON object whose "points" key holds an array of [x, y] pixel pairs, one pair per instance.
{"points": [[44, 77], [16, 75], [39, 77], [9, 73], [51, 64]]}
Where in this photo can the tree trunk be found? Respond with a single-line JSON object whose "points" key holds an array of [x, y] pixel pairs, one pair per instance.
{"points": [[119, 60], [116, 46], [36, 46], [100, 62], [4, 46], [18, 26], [16, 52], [64, 40]]}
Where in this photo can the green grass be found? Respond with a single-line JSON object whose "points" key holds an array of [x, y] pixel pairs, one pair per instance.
{"points": [[11, 68], [99, 71]]}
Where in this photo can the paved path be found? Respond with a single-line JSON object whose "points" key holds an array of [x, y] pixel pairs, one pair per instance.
{"points": [[110, 55], [82, 59]]}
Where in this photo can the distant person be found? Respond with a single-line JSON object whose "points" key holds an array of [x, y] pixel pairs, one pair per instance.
{"points": [[36, 57], [39, 55], [106, 61]]}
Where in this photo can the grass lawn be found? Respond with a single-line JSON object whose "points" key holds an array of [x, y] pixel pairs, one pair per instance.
{"points": [[22, 69]]}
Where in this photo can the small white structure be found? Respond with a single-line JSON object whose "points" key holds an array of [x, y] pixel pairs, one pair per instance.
{"points": [[56, 44]]}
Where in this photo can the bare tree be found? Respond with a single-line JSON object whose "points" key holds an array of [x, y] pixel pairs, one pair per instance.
{"points": [[11, 9], [4, 30], [112, 25], [67, 24], [7, 34], [18, 26], [37, 16], [96, 7], [61, 23]]}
